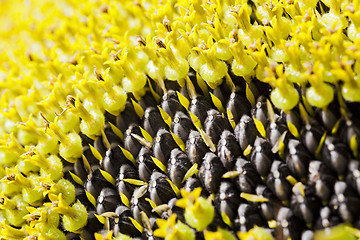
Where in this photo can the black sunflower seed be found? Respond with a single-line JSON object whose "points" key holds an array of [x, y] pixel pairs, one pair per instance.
{"points": [[171, 104], [288, 225], [228, 149], [160, 189], [122, 223], [178, 165], [215, 123], [248, 217], [248, 177], [172, 208], [227, 200], [353, 175], [139, 203], [107, 201], [335, 154], [349, 132], [345, 202], [322, 178], [210, 172], [246, 132], [152, 121], [329, 116], [327, 219], [311, 135], [277, 181], [182, 125], [126, 171], [238, 105], [95, 183], [191, 184], [262, 156], [196, 147], [260, 111], [274, 132], [199, 107], [93, 225], [162, 145], [267, 208], [130, 142], [145, 164], [297, 158], [305, 205], [127, 117], [113, 160]]}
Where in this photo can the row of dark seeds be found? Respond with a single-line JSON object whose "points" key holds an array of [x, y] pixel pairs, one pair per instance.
{"points": [[327, 192]]}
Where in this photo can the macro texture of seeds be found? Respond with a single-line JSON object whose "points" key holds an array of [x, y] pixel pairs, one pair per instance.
{"points": [[177, 119]]}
